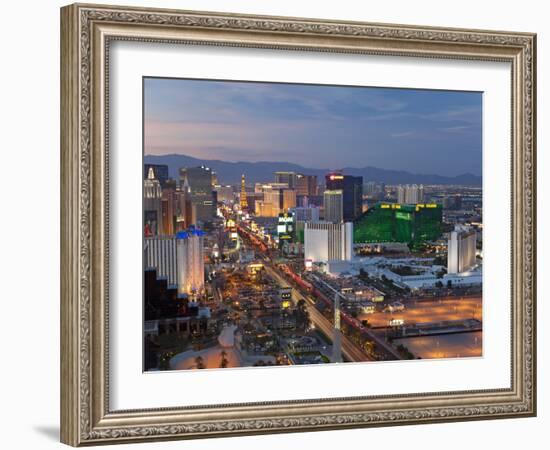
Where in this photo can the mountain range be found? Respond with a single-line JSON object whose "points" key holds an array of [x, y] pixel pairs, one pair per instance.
{"points": [[230, 172]]}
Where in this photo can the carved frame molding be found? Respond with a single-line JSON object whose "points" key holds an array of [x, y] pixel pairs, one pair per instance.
{"points": [[86, 32]]}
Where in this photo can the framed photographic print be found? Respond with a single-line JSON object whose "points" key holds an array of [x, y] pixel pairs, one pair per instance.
{"points": [[275, 225]]}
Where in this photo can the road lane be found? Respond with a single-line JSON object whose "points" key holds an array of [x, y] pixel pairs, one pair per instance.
{"points": [[349, 349]]}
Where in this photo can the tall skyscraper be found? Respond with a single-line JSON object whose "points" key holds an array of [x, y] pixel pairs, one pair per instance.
{"points": [[461, 249], [160, 254], [328, 241], [190, 261], [152, 205], [271, 201], [199, 179], [334, 205], [179, 258], [184, 208], [288, 197], [306, 185], [334, 181], [352, 189], [401, 194], [410, 194], [289, 178], [353, 186], [276, 198], [199, 182], [168, 210]]}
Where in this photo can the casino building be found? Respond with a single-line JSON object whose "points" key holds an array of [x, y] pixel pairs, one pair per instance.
{"points": [[352, 193], [325, 242], [461, 249], [179, 259], [394, 222]]}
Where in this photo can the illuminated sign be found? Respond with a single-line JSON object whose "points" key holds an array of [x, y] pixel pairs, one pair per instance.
{"points": [[286, 218], [285, 227], [285, 293], [385, 206], [396, 322], [336, 177], [427, 205]]}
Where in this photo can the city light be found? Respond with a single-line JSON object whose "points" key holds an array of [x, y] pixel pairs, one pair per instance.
{"points": [[274, 287], [308, 256]]}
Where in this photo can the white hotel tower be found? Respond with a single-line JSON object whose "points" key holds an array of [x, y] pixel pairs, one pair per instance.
{"points": [[179, 259], [410, 194], [190, 261], [325, 241], [461, 250]]}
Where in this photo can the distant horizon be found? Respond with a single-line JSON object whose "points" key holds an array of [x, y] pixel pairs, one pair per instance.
{"points": [[305, 167], [315, 126]]}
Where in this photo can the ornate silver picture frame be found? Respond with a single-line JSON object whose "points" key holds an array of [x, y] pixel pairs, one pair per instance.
{"points": [[87, 32]]}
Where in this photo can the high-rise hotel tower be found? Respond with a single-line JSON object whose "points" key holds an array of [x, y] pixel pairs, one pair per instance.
{"points": [[179, 258]]}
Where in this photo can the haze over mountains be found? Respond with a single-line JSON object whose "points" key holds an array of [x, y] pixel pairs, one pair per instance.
{"points": [[230, 172]]}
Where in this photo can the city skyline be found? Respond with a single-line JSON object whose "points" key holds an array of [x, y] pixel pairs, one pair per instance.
{"points": [[300, 269], [306, 259], [421, 131]]}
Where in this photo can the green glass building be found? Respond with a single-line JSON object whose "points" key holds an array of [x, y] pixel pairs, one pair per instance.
{"points": [[394, 222]]}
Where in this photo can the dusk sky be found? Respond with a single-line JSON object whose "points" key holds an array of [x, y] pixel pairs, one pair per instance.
{"points": [[325, 127]]}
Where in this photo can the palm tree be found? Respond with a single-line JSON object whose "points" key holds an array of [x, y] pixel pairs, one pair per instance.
{"points": [[224, 360], [199, 361], [302, 314]]}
